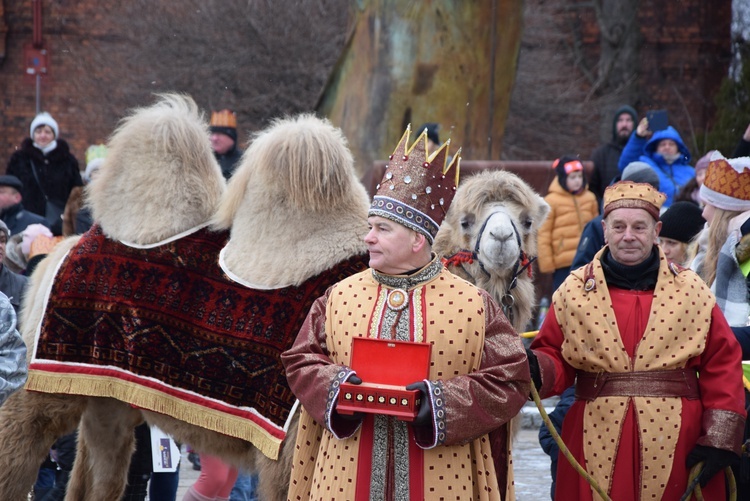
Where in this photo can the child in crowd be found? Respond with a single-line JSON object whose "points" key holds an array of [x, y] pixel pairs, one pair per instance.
{"points": [[572, 205], [680, 225]]}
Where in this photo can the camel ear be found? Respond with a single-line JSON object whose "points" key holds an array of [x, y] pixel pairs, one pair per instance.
{"points": [[542, 211]]}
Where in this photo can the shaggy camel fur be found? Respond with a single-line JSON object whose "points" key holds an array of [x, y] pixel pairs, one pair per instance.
{"points": [[489, 232], [160, 180]]}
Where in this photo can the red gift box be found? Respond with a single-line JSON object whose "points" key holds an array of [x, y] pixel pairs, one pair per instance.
{"points": [[385, 367]]}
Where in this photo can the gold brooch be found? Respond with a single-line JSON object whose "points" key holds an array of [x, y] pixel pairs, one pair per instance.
{"points": [[397, 299], [589, 285]]}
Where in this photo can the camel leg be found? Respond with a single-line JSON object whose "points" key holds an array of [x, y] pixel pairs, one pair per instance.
{"points": [[105, 445], [30, 422], [274, 475]]}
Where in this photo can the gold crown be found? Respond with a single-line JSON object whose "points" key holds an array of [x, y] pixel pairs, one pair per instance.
{"points": [[724, 179], [224, 118], [627, 194], [415, 190]]}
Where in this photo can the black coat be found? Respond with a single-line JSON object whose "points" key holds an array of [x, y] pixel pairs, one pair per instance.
{"points": [[16, 218], [58, 173], [229, 161]]}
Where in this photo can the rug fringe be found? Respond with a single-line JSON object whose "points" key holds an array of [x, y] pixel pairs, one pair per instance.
{"points": [[154, 400]]}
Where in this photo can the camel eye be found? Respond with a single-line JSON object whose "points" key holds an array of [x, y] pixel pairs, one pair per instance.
{"points": [[467, 221], [527, 223]]}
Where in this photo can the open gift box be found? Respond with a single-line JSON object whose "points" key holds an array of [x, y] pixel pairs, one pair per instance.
{"points": [[385, 367]]}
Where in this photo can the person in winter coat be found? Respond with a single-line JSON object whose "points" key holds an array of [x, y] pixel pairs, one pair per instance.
{"points": [[47, 169], [12, 212], [607, 156], [224, 141], [572, 205], [665, 151]]}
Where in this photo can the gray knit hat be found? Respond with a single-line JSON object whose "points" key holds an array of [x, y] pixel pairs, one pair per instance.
{"points": [[640, 172]]}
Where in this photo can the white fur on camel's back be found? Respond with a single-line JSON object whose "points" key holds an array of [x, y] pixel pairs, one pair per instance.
{"points": [[294, 195]]}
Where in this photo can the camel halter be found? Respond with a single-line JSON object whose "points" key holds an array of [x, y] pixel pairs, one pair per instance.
{"points": [[522, 263]]}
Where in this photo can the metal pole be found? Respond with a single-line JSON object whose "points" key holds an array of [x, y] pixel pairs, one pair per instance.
{"points": [[38, 93]]}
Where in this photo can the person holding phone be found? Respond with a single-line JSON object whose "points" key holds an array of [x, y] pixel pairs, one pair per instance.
{"points": [[665, 151]]}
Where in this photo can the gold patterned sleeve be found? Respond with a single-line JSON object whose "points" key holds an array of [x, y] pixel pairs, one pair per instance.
{"points": [[481, 401]]}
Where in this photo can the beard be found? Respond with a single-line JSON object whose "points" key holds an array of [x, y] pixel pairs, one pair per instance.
{"points": [[622, 137]]}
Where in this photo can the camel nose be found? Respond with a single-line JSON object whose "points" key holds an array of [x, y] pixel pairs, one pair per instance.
{"points": [[500, 235]]}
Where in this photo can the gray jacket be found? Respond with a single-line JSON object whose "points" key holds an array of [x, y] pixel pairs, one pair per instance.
{"points": [[13, 285], [13, 368]]}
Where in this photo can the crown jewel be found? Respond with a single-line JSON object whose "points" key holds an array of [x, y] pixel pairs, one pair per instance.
{"points": [[415, 190]]}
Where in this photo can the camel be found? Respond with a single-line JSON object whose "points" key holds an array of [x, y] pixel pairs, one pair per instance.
{"points": [[292, 217], [488, 237]]}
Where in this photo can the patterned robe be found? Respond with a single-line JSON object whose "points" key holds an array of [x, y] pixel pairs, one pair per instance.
{"points": [[636, 447], [478, 380]]}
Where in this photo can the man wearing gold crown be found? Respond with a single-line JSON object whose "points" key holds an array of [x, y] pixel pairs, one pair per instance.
{"points": [[656, 367], [224, 141], [478, 373]]}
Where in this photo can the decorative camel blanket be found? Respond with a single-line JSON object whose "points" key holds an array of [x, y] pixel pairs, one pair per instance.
{"points": [[164, 329]]}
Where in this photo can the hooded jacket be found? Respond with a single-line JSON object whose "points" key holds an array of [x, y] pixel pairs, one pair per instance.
{"points": [[671, 177], [607, 156]]}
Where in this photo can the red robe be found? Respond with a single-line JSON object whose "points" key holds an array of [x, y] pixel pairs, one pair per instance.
{"points": [[718, 365]]}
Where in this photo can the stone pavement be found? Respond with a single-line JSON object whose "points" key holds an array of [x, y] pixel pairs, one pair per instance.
{"points": [[188, 475]]}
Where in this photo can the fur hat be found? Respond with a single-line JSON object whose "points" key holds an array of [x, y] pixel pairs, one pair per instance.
{"points": [[224, 122], [12, 181], [727, 183], [640, 172], [415, 190], [682, 221], [627, 194], [44, 118]]}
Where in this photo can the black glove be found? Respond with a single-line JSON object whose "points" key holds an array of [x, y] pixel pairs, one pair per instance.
{"points": [[425, 409], [714, 461], [357, 416], [536, 374]]}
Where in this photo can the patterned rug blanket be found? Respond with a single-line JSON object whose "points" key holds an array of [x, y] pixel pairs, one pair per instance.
{"points": [[164, 329]]}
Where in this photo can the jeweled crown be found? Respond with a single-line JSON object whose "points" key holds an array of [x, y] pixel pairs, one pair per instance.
{"points": [[416, 190]]}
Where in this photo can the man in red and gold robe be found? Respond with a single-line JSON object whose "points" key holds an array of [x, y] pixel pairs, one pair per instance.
{"points": [[656, 367], [478, 375]]}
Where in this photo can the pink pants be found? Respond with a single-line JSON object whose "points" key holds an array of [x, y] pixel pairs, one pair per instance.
{"points": [[216, 479]]}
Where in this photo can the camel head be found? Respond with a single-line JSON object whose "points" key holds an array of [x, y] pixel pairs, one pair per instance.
{"points": [[160, 177], [489, 237]]}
